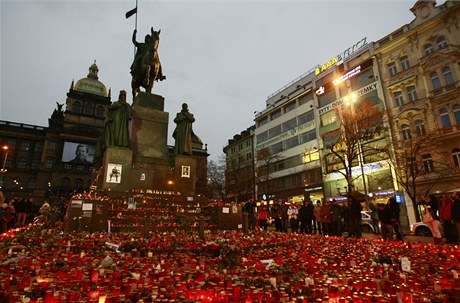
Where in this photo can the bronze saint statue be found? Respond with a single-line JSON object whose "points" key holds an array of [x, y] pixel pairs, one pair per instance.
{"points": [[146, 67], [116, 132], [183, 132]]}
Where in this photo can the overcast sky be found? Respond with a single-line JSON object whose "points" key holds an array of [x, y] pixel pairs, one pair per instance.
{"points": [[223, 58]]}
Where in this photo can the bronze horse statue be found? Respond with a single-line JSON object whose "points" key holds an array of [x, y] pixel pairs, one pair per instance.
{"points": [[146, 67]]}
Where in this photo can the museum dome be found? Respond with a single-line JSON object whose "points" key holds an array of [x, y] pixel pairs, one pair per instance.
{"points": [[91, 84]]}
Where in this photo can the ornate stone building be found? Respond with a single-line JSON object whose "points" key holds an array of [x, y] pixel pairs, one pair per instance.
{"points": [[419, 68]]}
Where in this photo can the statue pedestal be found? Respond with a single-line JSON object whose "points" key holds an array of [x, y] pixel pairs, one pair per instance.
{"points": [[149, 129], [185, 175], [117, 166]]}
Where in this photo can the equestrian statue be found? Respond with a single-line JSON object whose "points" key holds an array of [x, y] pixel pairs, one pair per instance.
{"points": [[146, 67]]}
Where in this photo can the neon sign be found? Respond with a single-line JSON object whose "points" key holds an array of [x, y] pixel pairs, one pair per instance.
{"points": [[346, 53], [320, 91], [348, 75]]}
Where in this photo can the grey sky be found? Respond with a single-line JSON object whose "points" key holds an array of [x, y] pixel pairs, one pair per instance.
{"points": [[221, 57]]}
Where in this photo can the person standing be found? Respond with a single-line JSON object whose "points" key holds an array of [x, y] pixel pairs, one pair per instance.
{"points": [[394, 211], [445, 215], [355, 208], [335, 216], [375, 217], [317, 215], [293, 213], [305, 217], [456, 214], [326, 218], [262, 217], [429, 219]]}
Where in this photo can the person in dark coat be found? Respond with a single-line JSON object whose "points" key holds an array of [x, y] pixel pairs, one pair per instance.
{"points": [[306, 217], [455, 213], [354, 213], [336, 216], [394, 211], [386, 224]]}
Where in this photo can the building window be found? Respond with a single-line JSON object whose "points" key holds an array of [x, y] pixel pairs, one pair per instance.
{"points": [[276, 114], [52, 145], [392, 69], [22, 163], [38, 147], [442, 42], [308, 136], [457, 113], [276, 148], [290, 107], [248, 156], [411, 93], [274, 131], [445, 119], [30, 183], [456, 156], [447, 73], [67, 166], [328, 118], [427, 163], [404, 61], [435, 82], [399, 100], [25, 145], [260, 137], [428, 49], [420, 128], [80, 168], [89, 108], [288, 125], [263, 121], [304, 118], [100, 111], [76, 107], [11, 144], [405, 132], [49, 164], [289, 143], [248, 143], [35, 165]]}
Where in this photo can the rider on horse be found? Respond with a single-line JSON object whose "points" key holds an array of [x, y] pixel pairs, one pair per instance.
{"points": [[141, 67]]}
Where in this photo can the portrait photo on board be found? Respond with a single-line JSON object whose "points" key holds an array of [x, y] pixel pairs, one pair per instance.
{"points": [[113, 173], [78, 153]]}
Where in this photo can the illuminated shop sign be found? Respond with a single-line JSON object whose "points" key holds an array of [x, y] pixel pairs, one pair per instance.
{"points": [[365, 90], [320, 91], [348, 75], [340, 57]]}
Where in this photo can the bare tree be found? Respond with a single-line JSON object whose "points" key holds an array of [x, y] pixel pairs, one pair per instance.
{"points": [[414, 166], [239, 177], [265, 159], [216, 179], [347, 147]]}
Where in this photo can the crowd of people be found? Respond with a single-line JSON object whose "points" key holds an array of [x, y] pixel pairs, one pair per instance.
{"points": [[333, 218], [18, 211], [443, 214]]}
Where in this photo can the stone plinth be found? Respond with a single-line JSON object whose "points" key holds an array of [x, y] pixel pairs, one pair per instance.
{"points": [[149, 128], [117, 167], [185, 175]]}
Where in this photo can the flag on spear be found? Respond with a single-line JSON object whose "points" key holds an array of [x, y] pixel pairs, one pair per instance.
{"points": [[131, 12]]}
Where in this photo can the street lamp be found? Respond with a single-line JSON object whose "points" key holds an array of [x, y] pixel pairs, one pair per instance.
{"points": [[5, 150], [3, 170], [349, 100]]}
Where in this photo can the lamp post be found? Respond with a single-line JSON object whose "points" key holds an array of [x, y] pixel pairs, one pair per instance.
{"points": [[3, 170], [349, 100]]}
